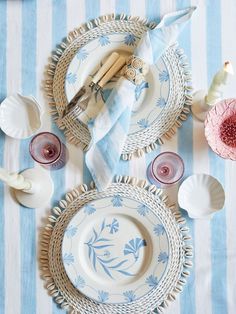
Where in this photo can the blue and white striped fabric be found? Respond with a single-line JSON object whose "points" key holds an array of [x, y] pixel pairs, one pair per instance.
{"points": [[108, 134], [110, 128], [29, 31]]}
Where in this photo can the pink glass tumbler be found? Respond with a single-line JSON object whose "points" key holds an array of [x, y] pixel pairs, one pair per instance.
{"points": [[47, 149], [165, 170]]}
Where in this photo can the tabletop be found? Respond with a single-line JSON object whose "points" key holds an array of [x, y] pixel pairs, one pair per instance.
{"points": [[29, 31]]}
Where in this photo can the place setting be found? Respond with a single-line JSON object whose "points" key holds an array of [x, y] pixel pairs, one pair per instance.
{"points": [[118, 87]]}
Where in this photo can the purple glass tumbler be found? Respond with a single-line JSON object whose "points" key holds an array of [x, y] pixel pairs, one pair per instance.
{"points": [[165, 170], [47, 149]]}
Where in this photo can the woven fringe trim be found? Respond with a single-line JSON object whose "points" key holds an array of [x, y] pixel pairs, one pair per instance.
{"points": [[80, 31], [183, 116], [83, 188]]}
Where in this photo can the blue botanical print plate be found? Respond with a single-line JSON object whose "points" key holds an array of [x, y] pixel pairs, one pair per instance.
{"points": [[115, 250], [151, 95]]}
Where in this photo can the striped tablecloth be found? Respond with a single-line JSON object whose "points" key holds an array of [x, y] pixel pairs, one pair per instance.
{"points": [[29, 30]]}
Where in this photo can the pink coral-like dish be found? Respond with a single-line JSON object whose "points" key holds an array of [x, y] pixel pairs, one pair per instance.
{"points": [[220, 128]]}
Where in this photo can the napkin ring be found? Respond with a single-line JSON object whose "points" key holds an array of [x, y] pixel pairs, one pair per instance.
{"points": [[135, 69]]}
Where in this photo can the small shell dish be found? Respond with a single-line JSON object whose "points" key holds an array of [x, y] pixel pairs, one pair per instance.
{"points": [[20, 116], [201, 195]]}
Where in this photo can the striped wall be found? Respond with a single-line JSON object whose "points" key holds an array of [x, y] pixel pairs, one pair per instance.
{"points": [[29, 31]]}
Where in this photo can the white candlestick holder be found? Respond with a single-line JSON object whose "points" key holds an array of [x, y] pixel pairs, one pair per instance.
{"points": [[40, 191], [199, 106]]}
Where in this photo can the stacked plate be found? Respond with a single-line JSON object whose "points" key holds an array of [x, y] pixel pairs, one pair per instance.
{"points": [[117, 251]]}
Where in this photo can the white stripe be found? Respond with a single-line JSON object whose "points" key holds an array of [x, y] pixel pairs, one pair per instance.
{"points": [[199, 48], [137, 9], [11, 162], [107, 7], [75, 14], [44, 22], [228, 46]]}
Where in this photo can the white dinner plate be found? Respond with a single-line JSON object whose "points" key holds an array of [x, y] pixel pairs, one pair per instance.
{"points": [[115, 250]]}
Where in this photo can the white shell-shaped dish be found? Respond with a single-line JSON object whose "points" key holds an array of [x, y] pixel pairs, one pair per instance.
{"points": [[20, 116], [201, 195]]}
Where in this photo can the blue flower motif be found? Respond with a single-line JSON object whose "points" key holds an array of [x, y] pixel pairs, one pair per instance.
{"points": [[163, 257], [103, 296], [68, 259], [134, 246], [143, 123], [89, 209], [161, 102], [139, 88], [159, 229], [71, 78], [129, 296], [114, 226], [117, 200], [151, 281], [163, 76], [130, 40], [104, 40], [107, 253], [143, 210], [82, 54], [79, 282], [91, 122], [71, 231]]}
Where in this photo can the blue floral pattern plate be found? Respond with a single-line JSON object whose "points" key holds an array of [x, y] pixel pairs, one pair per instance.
{"points": [[151, 95], [115, 250]]}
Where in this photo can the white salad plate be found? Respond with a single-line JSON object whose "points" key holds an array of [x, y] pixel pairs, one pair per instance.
{"points": [[201, 195], [115, 250], [20, 116]]}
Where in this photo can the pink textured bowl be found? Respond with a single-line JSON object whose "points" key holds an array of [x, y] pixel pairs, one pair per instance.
{"points": [[220, 128]]}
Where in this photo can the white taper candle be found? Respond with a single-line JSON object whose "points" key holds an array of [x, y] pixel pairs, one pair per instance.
{"points": [[220, 79]]}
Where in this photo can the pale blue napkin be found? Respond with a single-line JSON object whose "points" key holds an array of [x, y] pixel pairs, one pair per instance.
{"points": [[110, 128]]}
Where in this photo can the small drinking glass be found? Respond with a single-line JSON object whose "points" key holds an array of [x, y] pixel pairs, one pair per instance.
{"points": [[47, 149], [166, 169]]}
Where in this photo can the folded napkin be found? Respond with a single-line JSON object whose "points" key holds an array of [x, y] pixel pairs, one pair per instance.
{"points": [[110, 127]]}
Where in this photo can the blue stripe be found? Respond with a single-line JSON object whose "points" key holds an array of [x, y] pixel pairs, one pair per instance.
{"points": [[153, 10], [3, 92], [92, 9], [122, 6], [59, 31], [217, 169], [185, 149], [27, 216]]}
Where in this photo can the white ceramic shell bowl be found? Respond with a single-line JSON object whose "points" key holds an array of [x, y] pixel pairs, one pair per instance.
{"points": [[20, 116], [201, 195]]}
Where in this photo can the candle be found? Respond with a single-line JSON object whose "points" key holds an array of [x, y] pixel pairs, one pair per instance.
{"points": [[220, 79], [16, 181]]}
